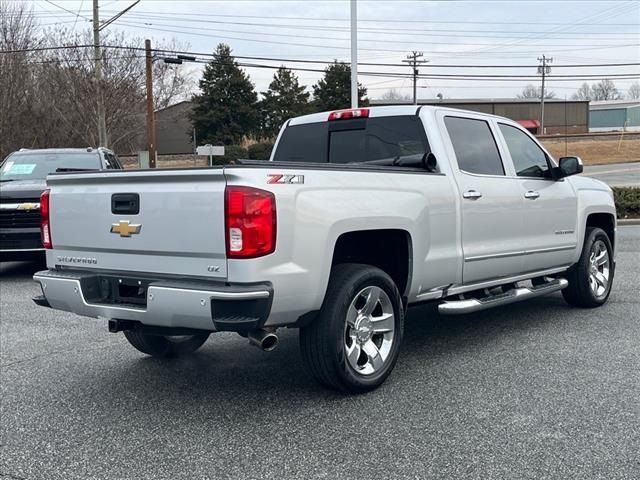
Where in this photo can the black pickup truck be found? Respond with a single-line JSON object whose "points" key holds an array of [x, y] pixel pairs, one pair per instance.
{"points": [[23, 179]]}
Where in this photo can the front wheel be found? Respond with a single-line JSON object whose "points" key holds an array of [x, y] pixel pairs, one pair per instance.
{"points": [[591, 278], [165, 345], [354, 342]]}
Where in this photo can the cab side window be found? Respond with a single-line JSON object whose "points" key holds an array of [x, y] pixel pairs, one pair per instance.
{"points": [[528, 158], [474, 145]]}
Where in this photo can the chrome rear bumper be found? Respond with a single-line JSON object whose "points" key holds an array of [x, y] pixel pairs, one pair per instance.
{"points": [[169, 303]]}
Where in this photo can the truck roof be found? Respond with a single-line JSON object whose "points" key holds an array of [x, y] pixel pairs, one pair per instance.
{"points": [[383, 111], [62, 150]]}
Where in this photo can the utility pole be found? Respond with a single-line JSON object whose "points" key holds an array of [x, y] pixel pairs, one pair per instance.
{"points": [[543, 69], [102, 122], [412, 60], [354, 54], [151, 117]]}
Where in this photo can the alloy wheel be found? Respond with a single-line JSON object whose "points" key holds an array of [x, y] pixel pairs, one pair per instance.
{"points": [[369, 330], [599, 269]]}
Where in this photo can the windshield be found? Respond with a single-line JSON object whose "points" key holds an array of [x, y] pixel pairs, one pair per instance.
{"points": [[36, 166]]}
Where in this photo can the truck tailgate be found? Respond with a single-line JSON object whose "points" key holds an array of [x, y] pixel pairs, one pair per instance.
{"points": [[164, 221]]}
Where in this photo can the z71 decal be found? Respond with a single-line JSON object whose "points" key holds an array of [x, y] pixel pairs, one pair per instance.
{"points": [[280, 178]]}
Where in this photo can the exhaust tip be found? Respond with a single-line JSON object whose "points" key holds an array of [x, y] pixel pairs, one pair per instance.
{"points": [[269, 342], [264, 340]]}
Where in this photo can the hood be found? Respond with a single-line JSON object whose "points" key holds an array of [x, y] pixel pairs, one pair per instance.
{"points": [[581, 182], [21, 190]]}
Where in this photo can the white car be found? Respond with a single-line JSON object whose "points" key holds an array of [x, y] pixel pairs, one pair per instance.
{"points": [[360, 214]]}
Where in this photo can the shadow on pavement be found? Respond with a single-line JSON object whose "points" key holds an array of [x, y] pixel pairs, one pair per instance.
{"points": [[21, 270], [227, 369]]}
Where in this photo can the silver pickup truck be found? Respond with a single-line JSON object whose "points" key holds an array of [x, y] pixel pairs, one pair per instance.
{"points": [[358, 215]]}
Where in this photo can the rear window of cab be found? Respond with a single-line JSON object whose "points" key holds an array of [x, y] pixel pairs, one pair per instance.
{"points": [[379, 140]]}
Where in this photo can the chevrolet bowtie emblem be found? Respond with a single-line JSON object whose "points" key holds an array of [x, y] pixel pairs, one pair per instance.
{"points": [[125, 229], [28, 206]]}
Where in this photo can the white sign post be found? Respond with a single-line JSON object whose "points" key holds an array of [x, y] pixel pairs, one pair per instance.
{"points": [[209, 151]]}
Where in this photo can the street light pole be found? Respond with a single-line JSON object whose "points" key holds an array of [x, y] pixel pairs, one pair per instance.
{"points": [[152, 148], [151, 117], [354, 54], [102, 122]]}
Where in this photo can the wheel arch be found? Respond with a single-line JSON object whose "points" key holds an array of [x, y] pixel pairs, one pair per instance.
{"points": [[390, 250], [605, 221]]}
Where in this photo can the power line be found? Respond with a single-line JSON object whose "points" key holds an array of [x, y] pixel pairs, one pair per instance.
{"points": [[338, 47], [142, 16], [369, 40], [75, 22], [292, 60], [66, 10], [118, 15], [383, 31], [393, 76], [577, 23], [384, 20]]}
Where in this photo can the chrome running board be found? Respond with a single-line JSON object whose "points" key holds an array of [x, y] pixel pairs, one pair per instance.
{"points": [[470, 305]]}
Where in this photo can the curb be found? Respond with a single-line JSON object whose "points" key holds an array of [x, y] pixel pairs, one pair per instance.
{"points": [[628, 221]]}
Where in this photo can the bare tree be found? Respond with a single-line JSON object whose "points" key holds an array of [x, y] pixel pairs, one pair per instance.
{"points": [[392, 95], [605, 90], [531, 91], [17, 33], [69, 74], [633, 93], [47, 97], [171, 83], [583, 93]]}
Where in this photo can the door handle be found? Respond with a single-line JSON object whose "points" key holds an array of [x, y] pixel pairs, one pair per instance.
{"points": [[531, 195], [472, 194]]}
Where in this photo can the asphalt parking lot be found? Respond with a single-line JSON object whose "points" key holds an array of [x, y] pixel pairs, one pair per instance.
{"points": [[616, 174], [533, 390]]}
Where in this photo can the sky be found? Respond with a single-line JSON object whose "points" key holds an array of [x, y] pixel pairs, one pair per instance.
{"points": [[456, 38]]}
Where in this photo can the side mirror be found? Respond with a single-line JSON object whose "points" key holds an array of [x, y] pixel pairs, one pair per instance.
{"points": [[569, 166]]}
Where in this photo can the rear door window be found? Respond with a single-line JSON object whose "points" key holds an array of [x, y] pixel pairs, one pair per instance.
{"points": [[303, 143], [476, 149]]}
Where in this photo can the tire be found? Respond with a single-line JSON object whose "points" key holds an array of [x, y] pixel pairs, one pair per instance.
{"points": [[341, 347], [591, 278], [165, 346]]}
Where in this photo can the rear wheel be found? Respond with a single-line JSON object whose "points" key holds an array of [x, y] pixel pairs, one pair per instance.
{"points": [[165, 345], [591, 278], [354, 342]]}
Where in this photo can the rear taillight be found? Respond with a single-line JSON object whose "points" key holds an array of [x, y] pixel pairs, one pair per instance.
{"points": [[45, 227], [250, 221], [345, 114]]}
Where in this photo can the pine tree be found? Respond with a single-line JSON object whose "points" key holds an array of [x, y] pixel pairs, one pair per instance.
{"points": [[284, 99], [333, 91], [225, 110]]}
